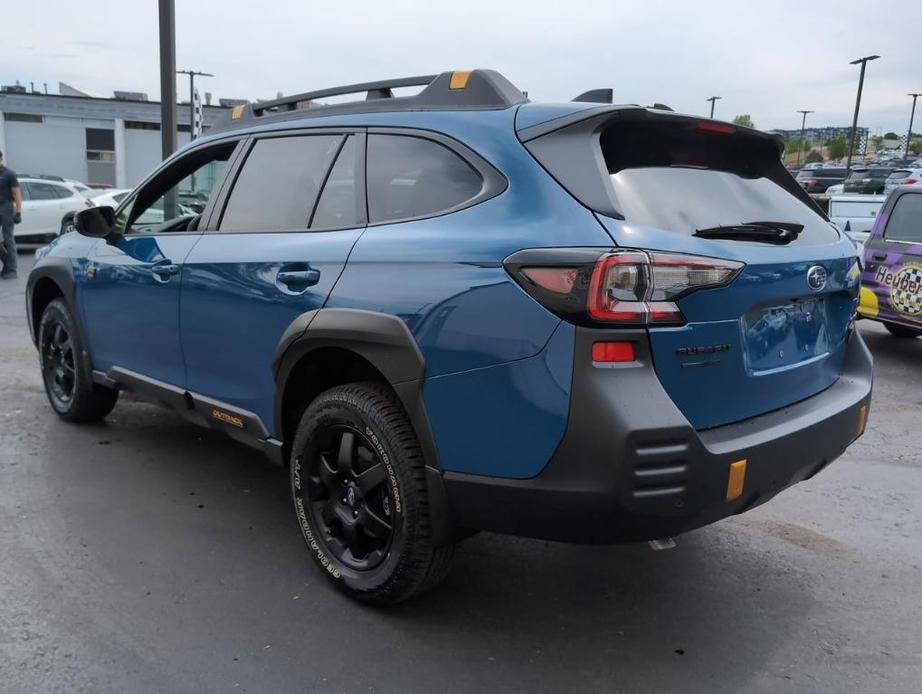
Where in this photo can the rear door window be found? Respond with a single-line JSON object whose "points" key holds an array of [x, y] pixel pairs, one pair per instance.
{"points": [[42, 191], [279, 182], [410, 177], [905, 223]]}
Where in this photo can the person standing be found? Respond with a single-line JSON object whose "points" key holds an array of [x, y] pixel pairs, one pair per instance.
{"points": [[10, 215]]}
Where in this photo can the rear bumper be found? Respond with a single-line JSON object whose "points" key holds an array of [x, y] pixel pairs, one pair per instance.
{"points": [[630, 467]]}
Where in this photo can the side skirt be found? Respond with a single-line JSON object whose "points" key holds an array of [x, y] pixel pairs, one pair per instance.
{"points": [[241, 425]]}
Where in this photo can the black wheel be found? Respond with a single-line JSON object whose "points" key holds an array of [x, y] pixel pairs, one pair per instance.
{"points": [[359, 487], [65, 371], [902, 330], [67, 226]]}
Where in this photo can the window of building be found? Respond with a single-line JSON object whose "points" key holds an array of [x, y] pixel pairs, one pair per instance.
{"points": [[413, 177], [141, 125], [23, 118], [279, 182], [100, 155]]}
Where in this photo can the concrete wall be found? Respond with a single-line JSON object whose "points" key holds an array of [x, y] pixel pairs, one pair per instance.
{"points": [[46, 148]]}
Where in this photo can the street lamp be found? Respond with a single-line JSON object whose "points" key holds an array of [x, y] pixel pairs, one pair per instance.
{"points": [[713, 100], [192, 74], [803, 123], [851, 141], [912, 116]]}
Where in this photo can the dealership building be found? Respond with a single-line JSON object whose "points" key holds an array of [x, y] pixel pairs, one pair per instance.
{"points": [[114, 141]]}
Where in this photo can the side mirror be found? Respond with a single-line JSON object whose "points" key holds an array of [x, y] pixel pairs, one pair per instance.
{"points": [[98, 222]]}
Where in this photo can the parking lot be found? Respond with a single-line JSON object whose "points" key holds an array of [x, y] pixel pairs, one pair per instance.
{"points": [[146, 554]]}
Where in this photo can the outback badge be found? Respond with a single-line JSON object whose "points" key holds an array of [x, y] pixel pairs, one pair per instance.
{"points": [[227, 418]]}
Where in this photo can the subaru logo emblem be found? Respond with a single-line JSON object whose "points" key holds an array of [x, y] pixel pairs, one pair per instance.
{"points": [[816, 277]]}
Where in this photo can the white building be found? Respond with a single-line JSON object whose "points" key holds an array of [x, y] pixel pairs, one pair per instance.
{"points": [[95, 140]]}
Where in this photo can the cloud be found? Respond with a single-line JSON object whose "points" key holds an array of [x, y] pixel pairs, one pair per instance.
{"points": [[767, 60]]}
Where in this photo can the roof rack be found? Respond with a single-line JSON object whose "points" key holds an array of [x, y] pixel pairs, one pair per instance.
{"points": [[460, 89]]}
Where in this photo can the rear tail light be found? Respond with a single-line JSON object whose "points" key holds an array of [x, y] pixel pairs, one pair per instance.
{"points": [[613, 352], [626, 287], [910, 181], [811, 183], [710, 126]]}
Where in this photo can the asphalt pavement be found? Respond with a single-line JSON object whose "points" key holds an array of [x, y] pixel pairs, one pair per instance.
{"points": [[147, 555]]}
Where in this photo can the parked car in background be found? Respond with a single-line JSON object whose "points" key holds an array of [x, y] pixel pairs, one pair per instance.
{"points": [[48, 208], [855, 215], [869, 181], [111, 197], [891, 283], [837, 189], [818, 180], [903, 177]]}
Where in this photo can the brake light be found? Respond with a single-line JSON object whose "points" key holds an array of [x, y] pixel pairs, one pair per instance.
{"points": [[640, 287], [910, 181], [811, 183], [626, 287], [710, 126]]}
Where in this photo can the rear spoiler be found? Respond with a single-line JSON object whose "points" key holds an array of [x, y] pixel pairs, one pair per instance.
{"points": [[568, 147]]}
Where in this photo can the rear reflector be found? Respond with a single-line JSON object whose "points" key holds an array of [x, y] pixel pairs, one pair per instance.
{"points": [[736, 480], [612, 351]]}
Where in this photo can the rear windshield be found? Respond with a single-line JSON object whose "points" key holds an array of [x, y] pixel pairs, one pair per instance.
{"points": [[675, 176], [822, 173], [896, 175]]}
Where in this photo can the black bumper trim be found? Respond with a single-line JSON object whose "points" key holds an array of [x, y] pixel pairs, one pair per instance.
{"points": [[630, 467]]}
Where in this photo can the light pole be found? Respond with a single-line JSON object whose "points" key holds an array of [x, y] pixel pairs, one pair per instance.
{"points": [[192, 74], [912, 116], [851, 140], [713, 100], [167, 76], [803, 123]]}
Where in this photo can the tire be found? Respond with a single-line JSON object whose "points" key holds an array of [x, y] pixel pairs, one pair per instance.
{"points": [[902, 331], [66, 372], [371, 539], [67, 226]]}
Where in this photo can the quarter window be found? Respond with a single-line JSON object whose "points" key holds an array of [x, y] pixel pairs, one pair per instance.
{"points": [[412, 177], [905, 222], [279, 182], [338, 207]]}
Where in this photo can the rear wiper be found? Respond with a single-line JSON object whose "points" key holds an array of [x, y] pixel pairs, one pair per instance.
{"points": [[766, 232]]}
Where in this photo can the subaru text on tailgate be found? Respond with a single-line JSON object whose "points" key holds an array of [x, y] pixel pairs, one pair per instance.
{"points": [[462, 311]]}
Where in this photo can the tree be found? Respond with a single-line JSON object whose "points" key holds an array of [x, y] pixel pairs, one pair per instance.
{"points": [[891, 136], [744, 120], [794, 145], [877, 142], [837, 148], [813, 156]]}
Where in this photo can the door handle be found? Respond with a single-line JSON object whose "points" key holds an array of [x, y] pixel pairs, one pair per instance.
{"points": [[164, 270], [879, 256], [298, 280]]}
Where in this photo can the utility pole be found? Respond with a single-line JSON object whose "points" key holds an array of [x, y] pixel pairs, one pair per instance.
{"points": [[803, 123], [167, 76], [851, 140], [192, 74], [912, 116], [713, 100]]}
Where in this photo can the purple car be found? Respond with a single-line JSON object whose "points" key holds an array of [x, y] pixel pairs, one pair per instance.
{"points": [[891, 284]]}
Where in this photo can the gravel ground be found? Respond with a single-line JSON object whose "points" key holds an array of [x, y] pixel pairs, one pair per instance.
{"points": [[145, 554]]}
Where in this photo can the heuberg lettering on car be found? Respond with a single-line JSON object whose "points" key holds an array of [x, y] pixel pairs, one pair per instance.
{"points": [[461, 311], [892, 278]]}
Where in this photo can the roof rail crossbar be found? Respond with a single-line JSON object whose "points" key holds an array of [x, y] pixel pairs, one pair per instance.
{"points": [[296, 101], [460, 89]]}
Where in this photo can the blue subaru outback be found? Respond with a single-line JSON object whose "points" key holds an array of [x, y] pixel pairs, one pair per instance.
{"points": [[461, 311]]}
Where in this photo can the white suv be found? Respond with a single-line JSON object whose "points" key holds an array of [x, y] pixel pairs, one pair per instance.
{"points": [[48, 207]]}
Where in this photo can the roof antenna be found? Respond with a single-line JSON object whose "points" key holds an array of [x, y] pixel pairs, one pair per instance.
{"points": [[596, 96]]}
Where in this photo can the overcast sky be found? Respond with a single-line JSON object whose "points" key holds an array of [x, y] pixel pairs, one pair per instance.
{"points": [[767, 59]]}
